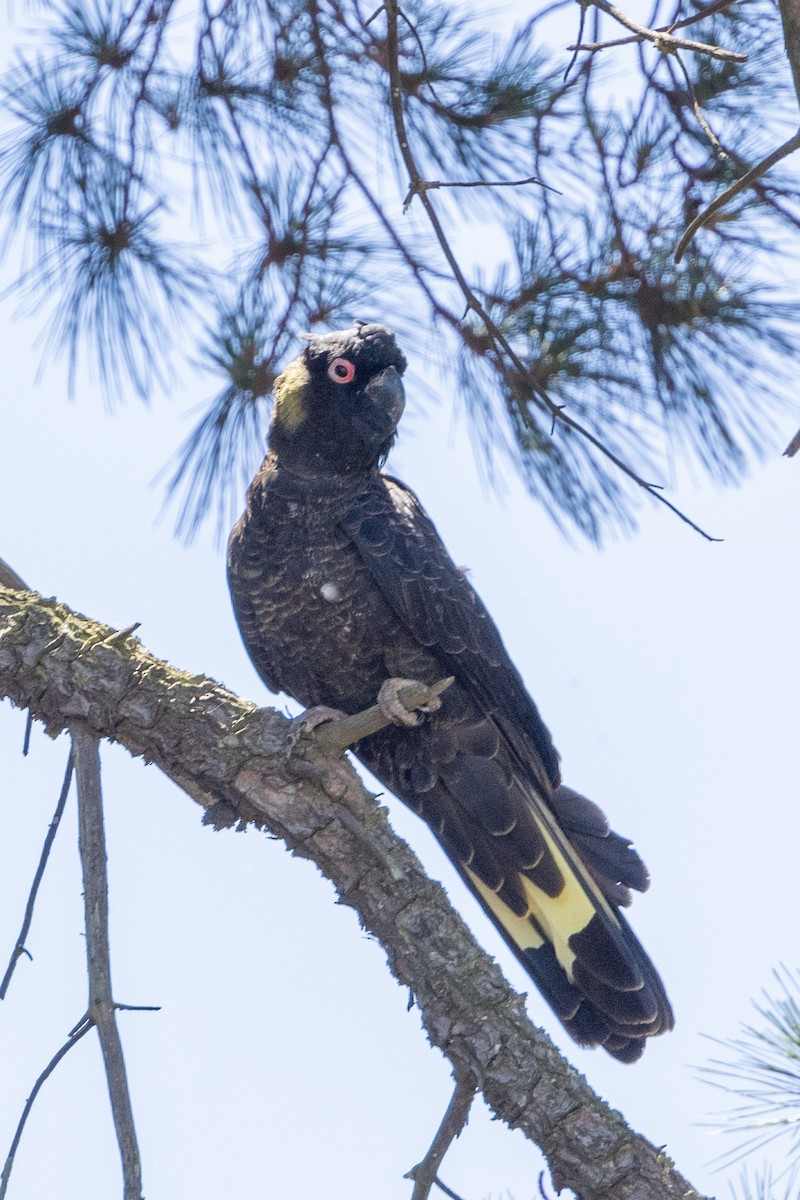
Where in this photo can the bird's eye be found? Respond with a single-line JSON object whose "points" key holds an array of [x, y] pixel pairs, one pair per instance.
{"points": [[341, 370]]}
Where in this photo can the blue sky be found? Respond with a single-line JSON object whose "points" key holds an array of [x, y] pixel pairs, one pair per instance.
{"points": [[284, 1060]]}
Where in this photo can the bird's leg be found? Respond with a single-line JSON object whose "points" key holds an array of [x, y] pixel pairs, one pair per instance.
{"points": [[393, 708], [308, 721]]}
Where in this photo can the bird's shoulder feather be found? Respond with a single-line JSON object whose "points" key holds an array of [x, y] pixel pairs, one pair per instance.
{"points": [[408, 561]]}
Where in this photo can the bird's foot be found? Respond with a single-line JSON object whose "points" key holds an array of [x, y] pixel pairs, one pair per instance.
{"points": [[394, 710], [308, 721]]}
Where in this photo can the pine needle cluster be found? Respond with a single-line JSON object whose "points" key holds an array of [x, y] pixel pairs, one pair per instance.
{"points": [[228, 176]]}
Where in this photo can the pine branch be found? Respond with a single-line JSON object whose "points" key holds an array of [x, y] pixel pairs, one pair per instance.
{"points": [[748, 179], [664, 41], [565, 363], [512, 365], [231, 758]]}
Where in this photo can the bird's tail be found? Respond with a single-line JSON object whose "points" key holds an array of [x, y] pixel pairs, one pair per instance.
{"points": [[561, 918]]}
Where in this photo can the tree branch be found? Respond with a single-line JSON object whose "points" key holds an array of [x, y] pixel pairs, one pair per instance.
{"points": [[231, 758], [790, 15], [664, 41], [425, 1173], [637, 38], [10, 579], [750, 177], [92, 843]]}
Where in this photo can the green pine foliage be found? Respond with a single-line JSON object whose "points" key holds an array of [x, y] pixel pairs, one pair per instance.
{"points": [[761, 1071], [236, 170]]}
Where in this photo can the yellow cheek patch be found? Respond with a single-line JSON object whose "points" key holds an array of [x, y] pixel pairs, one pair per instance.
{"points": [[290, 395]]}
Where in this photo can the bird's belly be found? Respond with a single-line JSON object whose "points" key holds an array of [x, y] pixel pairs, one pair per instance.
{"points": [[328, 630]]}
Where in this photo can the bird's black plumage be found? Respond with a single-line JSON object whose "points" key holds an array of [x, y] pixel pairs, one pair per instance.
{"points": [[340, 581]]}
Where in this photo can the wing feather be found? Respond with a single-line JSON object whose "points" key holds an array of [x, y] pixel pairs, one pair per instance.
{"points": [[484, 775], [408, 561]]}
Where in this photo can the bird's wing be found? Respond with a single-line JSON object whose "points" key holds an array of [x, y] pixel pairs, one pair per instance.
{"points": [[484, 775], [402, 549]]}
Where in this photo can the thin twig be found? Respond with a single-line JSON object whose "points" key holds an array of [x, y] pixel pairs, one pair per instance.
{"points": [[91, 838], [233, 117], [122, 635], [581, 26], [19, 948], [418, 268], [666, 42], [82, 1028], [162, 20], [700, 15], [610, 44], [501, 343], [338, 735], [446, 1190], [430, 185], [423, 55], [740, 185], [424, 1174], [698, 112]]}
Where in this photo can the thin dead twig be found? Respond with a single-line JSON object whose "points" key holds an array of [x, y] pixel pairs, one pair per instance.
{"points": [[698, 112], [430, 185], [82, 1028], [637, 38], [662, 39], [19, 947], [91, 838], [425, 1173]]}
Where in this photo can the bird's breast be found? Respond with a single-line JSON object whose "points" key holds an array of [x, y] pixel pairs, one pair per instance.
{"points": [[320, 620]]}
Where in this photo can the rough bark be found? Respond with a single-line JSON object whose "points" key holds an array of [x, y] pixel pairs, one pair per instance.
{"points": [[232, 759]]}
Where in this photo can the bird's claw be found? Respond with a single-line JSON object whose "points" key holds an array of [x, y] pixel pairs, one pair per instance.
{"points": [[394, 710], [308, 721]]}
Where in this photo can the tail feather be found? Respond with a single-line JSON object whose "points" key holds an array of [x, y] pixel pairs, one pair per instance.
{"points": [[548, 871], [574, 943]]}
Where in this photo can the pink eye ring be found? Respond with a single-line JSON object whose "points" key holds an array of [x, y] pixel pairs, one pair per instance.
{"points": [[341, 370]]}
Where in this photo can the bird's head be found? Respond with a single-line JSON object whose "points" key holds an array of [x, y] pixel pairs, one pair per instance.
{"points": [[338, 404]]}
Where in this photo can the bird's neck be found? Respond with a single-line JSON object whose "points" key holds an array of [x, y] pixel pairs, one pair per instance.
{"points": [[296, 480]]}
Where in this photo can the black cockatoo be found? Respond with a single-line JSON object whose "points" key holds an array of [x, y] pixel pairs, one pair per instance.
{"points": [[343, 589]]}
